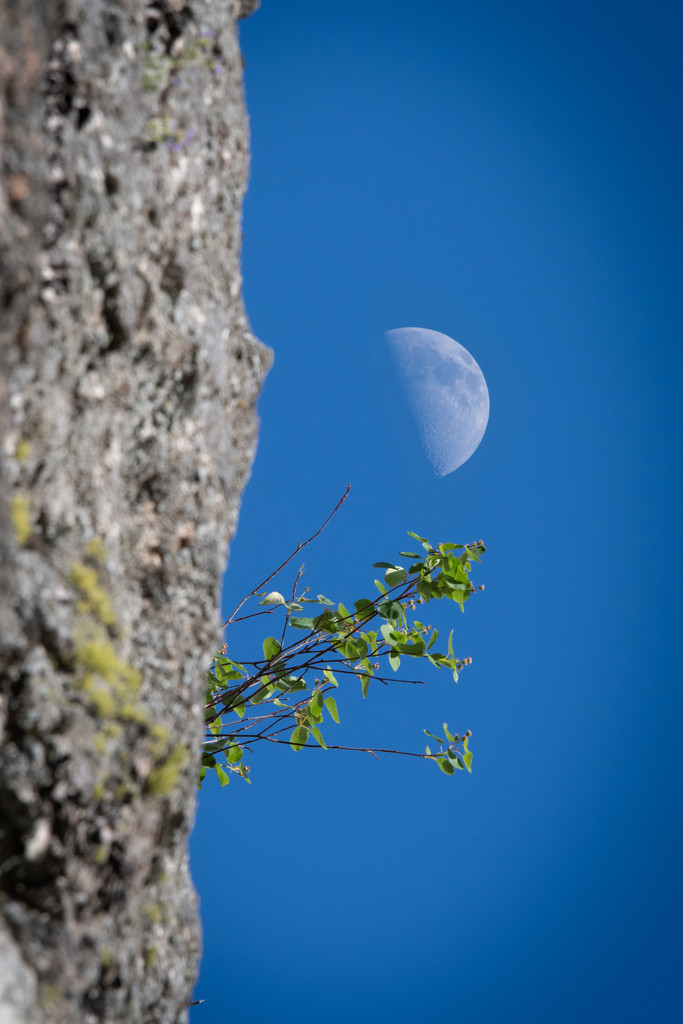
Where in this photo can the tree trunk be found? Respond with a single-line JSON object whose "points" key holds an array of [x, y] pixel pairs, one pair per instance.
{"points": [[128, 381]]}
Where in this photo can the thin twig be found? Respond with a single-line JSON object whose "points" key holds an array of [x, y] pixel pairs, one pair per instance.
{"points": [[363, 750], [286, 622], [298, 548]]}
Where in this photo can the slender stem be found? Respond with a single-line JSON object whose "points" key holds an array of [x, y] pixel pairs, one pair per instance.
{"points": [[365, 750], [298, 548]]}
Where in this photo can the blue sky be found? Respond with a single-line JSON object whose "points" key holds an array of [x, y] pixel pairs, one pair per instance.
{"points": [[508, 175]]}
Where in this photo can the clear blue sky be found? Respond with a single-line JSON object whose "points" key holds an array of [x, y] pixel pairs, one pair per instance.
{"points": [[508, 174]]}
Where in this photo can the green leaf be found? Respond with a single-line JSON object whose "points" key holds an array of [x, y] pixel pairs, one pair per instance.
{"points": [[329, 621], [330, 678], [467, 755], [428, 750], [390, 610], [234, 754], [364, 607], [382, 589], [423, 540], [455, 759], [449, 735], [361, 647], [291, 684], [239, 709], [394, 660], [331, 705], [316, 702], [456, 589], [409, 554], [216, 746], [365, 684], [225, 675], [432, 736], [324, 600], [383, 565], [350, 650], [271, 647], [223, 776], [371, 637], [261, 694], [433, 638], [298, 738], [426, 590], [314, 714], [415, 650], [227, 671], [302, 622], [388, 632], [211, 685], [394, 576], [445, 765], [317, 735]]}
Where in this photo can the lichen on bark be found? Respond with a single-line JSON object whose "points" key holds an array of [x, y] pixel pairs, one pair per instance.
{"points": [[128, 383]]}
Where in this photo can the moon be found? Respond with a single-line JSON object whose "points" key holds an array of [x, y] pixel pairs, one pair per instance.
{"points": [[446, 391]]}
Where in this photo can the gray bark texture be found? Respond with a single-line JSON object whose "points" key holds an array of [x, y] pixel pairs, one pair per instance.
{"points": [[128, 384]]}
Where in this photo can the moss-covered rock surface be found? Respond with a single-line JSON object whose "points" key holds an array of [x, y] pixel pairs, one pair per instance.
{"points": [[128, 380]]}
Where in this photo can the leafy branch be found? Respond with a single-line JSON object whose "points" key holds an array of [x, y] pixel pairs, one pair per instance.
{"points": [[291, 688]]}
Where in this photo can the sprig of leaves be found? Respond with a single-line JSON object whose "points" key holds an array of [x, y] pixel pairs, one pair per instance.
{"points": [[290, 690]]}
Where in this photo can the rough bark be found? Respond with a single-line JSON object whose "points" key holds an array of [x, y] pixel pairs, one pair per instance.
{"points": [[128, 383]]}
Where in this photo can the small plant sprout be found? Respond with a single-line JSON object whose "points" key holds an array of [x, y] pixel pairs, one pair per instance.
{"points": [[287, 695]]}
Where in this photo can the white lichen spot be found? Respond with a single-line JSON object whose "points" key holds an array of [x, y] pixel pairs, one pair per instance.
{"points": [[114, 454], [92, 388], [199, 315], [178, 174], [38, 840], [197, 212]]}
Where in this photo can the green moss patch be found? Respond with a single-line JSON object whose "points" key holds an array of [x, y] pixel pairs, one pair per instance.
{"points": [[163, 779], [20, 510], [94, 598]]}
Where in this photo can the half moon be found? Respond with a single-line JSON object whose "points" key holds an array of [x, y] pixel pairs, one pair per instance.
{"points": [[446, 391]]}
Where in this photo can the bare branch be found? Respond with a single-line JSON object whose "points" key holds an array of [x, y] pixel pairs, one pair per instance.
{"points": [[297, 549]]}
